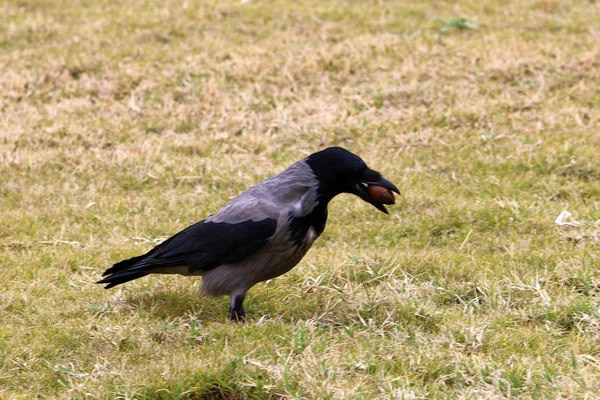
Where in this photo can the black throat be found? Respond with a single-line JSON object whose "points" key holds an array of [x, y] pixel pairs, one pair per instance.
{"points": [[333, 168], [316, 219]]}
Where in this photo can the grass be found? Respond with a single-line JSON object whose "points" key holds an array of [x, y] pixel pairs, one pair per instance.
{"points": [[123, 122]]}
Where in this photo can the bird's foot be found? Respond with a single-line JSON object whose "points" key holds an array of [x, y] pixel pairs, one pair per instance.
{"points": [[237, 315], [236, 310]]}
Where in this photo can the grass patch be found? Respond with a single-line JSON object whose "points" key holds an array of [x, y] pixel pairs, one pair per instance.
{"points": [[121, 124]]}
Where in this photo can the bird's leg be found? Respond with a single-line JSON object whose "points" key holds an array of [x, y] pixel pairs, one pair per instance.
{"points": [[236, 310]]}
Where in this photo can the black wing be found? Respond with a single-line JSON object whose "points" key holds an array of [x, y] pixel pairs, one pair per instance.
{"points": [[202, 246]]}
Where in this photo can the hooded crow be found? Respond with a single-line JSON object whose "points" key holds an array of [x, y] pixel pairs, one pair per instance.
{"points": [[260, 234]]}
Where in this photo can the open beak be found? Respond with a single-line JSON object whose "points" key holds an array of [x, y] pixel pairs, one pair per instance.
{"points": [[360, 189]]}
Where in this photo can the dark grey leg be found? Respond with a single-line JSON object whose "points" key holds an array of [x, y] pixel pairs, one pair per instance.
{"points": [[236, 310]]}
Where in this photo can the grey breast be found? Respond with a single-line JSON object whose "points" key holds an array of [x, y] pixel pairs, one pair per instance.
{"points": [[292, 193]]}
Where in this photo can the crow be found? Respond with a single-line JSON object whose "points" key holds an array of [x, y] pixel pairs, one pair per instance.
{"points": [[263, 232]]}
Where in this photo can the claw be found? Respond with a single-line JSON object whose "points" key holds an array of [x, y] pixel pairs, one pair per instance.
{"points": [[236, 310]]}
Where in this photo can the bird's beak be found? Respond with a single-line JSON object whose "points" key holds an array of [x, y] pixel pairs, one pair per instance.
{"points": [[373, 178]]}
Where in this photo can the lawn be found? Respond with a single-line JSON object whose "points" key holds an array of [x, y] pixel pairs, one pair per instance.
{"points": [[121, 123]]}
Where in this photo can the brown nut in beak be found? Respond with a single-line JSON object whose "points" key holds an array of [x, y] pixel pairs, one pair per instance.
{"points": [[381, 194]]}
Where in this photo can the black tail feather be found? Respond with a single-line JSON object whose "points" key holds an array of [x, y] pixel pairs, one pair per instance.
{"points": [[121, 277], [124, 265], [125, 271]]}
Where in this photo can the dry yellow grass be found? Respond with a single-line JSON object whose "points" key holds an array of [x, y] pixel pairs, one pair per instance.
{"points": [[122, 123]]}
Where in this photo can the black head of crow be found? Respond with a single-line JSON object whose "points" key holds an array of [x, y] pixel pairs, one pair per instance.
{"points": [[260, 234]]}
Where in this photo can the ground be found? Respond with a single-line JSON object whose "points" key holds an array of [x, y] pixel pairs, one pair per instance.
{"points": [[121, 123]]}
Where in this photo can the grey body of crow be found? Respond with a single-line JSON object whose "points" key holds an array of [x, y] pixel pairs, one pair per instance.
{"points": [[260, 234]]}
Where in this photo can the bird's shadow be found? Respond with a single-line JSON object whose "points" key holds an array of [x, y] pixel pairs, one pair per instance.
{"points": [[171, 305], [191, 305]]}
